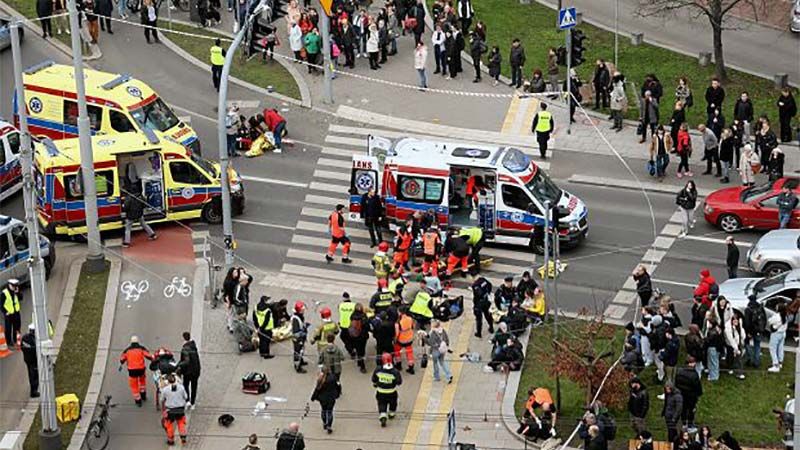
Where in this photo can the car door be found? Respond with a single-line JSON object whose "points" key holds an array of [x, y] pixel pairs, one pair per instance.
{"points": [[189, 186], [6, 257], [19, 246], [764, 213], [10, 168], [513, 217]]}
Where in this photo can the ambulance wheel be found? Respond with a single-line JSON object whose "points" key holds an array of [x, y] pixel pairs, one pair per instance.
{"points": [[536, 246], [212, 212]]}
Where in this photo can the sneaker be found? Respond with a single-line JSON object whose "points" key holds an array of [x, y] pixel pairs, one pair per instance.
{"points": [[67, 31], [680, 175], [450, 380], [740, 376], [126, 244], [329, 259], [347, 260], [774, 369], [194, 405], [300, 370], [144, 396], [383, 422], [689, 174], [330, 430], [277, 150], [682, 235], [691, 225]]}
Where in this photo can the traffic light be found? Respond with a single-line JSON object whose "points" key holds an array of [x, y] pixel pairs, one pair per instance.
{"points": [[576, 39], [561, 56]]}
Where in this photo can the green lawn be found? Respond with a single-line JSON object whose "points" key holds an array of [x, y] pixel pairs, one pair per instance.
{"points": [[76, 357], [743, 407], [254, 71], [534, 25]]}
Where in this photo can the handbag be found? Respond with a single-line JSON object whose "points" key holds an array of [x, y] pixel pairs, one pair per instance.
{"points": [[640, 129], [651, 167], [689, 101]]}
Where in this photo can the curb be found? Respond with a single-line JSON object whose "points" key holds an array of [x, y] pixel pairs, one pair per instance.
{"points": [[648, 186], [100, 357], [305, 92]]}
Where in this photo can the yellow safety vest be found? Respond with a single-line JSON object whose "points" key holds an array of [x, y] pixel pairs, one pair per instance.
{"points": [[11, 302], [420, 305], [394, 284], [261, 316], [216, 56], [473, 234], [345, 311], [543, 125], [381, 263]]}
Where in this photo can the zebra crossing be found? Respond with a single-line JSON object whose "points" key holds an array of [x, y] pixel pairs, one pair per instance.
{"points": [[328, 187]]}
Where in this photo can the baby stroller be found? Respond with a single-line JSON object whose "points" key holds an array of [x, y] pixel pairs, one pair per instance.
{"points": [[162, 365]]}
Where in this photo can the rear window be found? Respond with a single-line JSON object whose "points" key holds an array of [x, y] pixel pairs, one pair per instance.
{"points": [[71, 115], [420, 189], [103, 181]]}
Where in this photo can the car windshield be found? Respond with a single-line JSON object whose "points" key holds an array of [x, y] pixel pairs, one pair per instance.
{"points": [[156, 116], [543, 188], [207, 165], [770, 285], [754, 192]]}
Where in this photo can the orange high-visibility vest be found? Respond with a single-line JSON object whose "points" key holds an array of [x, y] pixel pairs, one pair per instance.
{"points": [[336, 222], [429, 242], [403, 240], [404, 330]]}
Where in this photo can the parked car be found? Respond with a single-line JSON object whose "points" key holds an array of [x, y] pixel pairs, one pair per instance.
{"points": [[5, 32], [740, 207], [795, 26], [15, 251], [776, 252], [770, 292]]}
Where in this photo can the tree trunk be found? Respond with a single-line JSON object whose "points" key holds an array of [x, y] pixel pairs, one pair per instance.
{"points": [[716, 27]]}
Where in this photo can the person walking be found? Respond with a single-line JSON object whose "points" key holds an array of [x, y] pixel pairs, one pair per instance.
{"points": [[189, 367], [12, 320], [748, 164], [149, 18], [134, 356], [133, 206], [331, 357], [346, 310], [787, 202], [299, 336], [638, 404], [732, 257], [671, 412], [420, 58], [44, 9], [777, 325], [358, 333], [386, 378], [28, 347], [660, 145], [711, 149], [649, 115], [104, 9], [326, 328], [755, 325], [217, 62], [481, 305], [618, 100], [404, 341], [476, 49], [543, 125], [336, 224], [173, 400], [517, 60], [439, 343], [265, 323], [687, 381], [291, 438], [326, 391], [687, 203], [601, 82], [787, 109]]}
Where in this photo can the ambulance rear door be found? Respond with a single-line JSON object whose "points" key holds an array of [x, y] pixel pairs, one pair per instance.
{"points": [[365, 175]]}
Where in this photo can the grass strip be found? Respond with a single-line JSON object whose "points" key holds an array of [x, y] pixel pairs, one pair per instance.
{"points": [[77, 351]]}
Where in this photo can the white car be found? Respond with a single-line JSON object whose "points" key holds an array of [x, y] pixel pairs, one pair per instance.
{"points": [[776, 252], [770, 292]]}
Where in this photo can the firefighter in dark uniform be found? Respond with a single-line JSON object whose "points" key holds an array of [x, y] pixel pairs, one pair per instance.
{"points": [[299, 336], [481, 302], [264, 322], [383, 300], [386, 379]]}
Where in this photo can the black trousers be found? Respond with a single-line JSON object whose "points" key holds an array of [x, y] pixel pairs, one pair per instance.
{"points": [[264, 339], [476, 63], [466, 22], [216, 75], [733, 271], [600, 96], [298, 347], [105, 23], [47, 27], [33, 377], [480, 314], [190, 385], [12, 328], [386, 403], [360, 347], [475, 255], [687, 413], [786, 129], [344, 334], [150, 29], [375, 235], [542, 138], [516, 75], [349, 56], [712, 156]]}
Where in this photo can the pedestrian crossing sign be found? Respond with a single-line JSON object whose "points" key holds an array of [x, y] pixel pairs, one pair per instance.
{"points": [[566, 18]]}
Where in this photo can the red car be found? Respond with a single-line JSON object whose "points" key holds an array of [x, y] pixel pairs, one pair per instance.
{"points": [[740, 207]]}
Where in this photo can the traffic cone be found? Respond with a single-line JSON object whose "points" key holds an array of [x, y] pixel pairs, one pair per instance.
{"points": [[4, 351]]}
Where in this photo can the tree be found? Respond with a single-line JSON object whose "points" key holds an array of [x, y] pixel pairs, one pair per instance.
{"points": [[715, 10]]}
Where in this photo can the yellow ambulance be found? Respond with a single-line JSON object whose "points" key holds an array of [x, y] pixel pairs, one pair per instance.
{"points": [[115, 103]]}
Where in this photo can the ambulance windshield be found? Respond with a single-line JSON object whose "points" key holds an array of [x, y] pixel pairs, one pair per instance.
{"points": [[156, 116], [543, 188]]}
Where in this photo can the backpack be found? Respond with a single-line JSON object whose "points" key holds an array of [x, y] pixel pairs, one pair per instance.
{"points": [[713, 291], [608, 425], [756, 318]]}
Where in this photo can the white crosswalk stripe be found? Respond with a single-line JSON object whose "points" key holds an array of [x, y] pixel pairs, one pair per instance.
{"points": [[329, 186]]}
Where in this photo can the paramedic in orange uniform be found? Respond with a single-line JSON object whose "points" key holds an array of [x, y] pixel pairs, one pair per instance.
{"points": [[338, 235], [474, 185], [134, 356], [458, 251], [404, 341], [402, 244], [431, 246]]}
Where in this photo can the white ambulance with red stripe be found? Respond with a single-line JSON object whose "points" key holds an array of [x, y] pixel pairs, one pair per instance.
{"points": [[497, 188], [10, 165]]}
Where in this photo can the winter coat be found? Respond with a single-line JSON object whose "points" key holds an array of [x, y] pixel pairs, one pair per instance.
{"points": [[746, 166], [537, 85], [714, 97], [743, 111], [601, 78], [494, 64], [671, 350], [775, 164], [290, 440], [678, 117], [44, 8], [331, 358], [639, 402], [735, 337], [710, 141], [688, 382], [618, 98], [327, 392], [787, 107], [420, 56], [654, 145], [133, 207], [552, 64], [517, 56], [694, 346], [371, 207], [650, 110], [597, 443], [372, 41], [465, 10], [312, 42], [189, 364], [755, 318], [347, 37], [726, 150], [722, 316], [296, 38], [704, 288], [477, 47], [673, 405], [103, 7], [686, 199], [715, 338], [435, 340]]}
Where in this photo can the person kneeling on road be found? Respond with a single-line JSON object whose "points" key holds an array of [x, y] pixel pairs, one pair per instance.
{"points": [[173, 401]]}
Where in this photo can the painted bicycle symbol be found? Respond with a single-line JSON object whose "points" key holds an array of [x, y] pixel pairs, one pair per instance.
{"points": [[179, 286], [133, 290]]}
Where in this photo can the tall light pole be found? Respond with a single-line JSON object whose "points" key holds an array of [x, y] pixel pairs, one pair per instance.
{"points": [[224, 161], [327, 84], [95, 262], [616, 34], [50, 434]]}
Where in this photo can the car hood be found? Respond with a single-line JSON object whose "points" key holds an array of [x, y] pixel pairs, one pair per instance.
{"points": [[779, 240], [725, 195], [736, 291]]}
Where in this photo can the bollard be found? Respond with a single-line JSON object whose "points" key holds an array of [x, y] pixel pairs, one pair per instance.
{"points": [[781, 80], [637, 38], [578, 18], [704, 59]]}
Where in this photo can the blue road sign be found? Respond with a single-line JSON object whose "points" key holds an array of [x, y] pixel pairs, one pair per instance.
{"points": [[567, 18]]}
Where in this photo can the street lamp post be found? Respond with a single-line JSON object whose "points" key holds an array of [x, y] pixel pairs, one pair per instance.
{"points": [[616, 34], [50, 434], [224, 161], [326, 56], [95, 262]]}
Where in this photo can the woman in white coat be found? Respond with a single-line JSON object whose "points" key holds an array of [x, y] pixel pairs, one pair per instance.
{"points": [[747, 161], [735, 338], [420, 58], [372, 46], [296, 41]]}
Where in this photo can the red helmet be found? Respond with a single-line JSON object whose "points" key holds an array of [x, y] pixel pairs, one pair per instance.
{"points": [[325, 313], [382, 283], [299, 306], [386, 358], [383, 246]]}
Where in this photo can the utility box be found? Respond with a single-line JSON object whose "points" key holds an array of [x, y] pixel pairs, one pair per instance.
{"points": [[637, 38], [704, 59], [781, 80]]}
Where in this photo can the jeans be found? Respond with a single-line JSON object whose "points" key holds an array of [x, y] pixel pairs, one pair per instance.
{"points": [[327, 416], [661, 164], [231, 140], [726, 168], [122, 7], [277, 132], [129, 225], [438, 360], [439, 57], [713, 364], [783, 218], [647, 353], [230, 4], [776, 340], [423, 80], [687, 219], [753, 348]]}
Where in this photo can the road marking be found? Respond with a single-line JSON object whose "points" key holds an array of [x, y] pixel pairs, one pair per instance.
{"points": [[328, 187], [313, 272], [342, 152], [672, 230], [340, 163], [715, 240], [533, 108], [323, 228], [654, 255], [264, 224], [322, 200], [200, 234], [340, 176], [663, 242], [615, 311], [511, 114], [333, 139], [315, 212], [676, 283], [625, 297], [323, 243], [196, 114], [274, 181]]}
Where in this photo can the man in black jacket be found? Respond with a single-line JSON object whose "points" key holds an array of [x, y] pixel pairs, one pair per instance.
{"points": [[638, 404], [743, 112], [601, 81], [755, 324], [715, 95], [372, 212], [732, 258], [291, 438], [28, 345], [481, 290], [687, 381], [189, 367], [517, 60], [476, 49], [134, 212], [671, 412]]}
